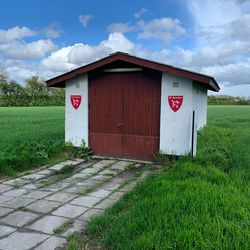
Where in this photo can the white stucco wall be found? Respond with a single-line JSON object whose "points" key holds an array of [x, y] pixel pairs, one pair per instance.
{"points": [[175, 127], [200, 104], [76, 120]]}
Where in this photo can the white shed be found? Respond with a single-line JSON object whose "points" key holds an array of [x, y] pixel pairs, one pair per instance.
{"points": [[125, 106]]}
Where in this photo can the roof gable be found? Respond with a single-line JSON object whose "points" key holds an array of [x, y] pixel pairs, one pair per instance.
{"points": [[208, 81]]}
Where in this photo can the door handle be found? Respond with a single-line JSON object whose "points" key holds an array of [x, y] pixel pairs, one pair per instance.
{"points": [[119, 125]]}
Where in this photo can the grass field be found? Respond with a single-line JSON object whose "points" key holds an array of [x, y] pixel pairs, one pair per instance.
{"points": [[32, 123], [198, 204], [30, 137]]}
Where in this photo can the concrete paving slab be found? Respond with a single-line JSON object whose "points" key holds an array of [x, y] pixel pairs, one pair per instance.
{"points": [[48, 224], [100, 192], [81, 176], [104, 163], [90, 213], [37, 194], [120, 165], [112, 185], [4, 230], [100, 177], [88, 183], [17, 181], [58, 166], [19, 218], [109, 172], [16, 192], [22, 240], [76, 190], [17, 202], [70, 211], [33, 177], [61, 197], [5, 198], [58, 185], [5, 210], [30, 186], [71, 162], [45, 172], [105, 204], [86, 201], [90, 170], [77, 226], [4, 188], [116, 196], [128, 187], [52, 243], [43, 206]]}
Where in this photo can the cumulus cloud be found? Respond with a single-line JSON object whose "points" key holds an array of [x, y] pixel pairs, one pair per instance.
{"points": [[58, 61], [139, 13], [23, 51], [70, 57], [165, 29], [53, 30], [232, 74], [15, 33], [119, 28], [84, 19]]}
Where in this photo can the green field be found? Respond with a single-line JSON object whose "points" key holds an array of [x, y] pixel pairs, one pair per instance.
{"points": [[197, 204], [30, 137], [32, 123]]}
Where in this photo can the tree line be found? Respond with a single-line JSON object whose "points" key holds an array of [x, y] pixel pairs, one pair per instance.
{"points": [[33, 93], [228, 100]]}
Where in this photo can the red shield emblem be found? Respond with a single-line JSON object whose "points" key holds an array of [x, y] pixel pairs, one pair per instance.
{"points": [[175, 102], [75, 101]]}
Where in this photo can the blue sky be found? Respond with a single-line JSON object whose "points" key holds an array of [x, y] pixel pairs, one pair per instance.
{"points": [[47, 38]]}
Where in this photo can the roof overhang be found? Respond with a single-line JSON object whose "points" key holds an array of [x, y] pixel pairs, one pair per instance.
{"points": [[208, 81]]}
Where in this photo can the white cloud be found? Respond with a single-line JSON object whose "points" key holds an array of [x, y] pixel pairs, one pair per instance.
{"points": [[70, 57], [119, 28], [15, 33], [139, 13], [84, 19], [165, 29], [23, 51], [57, 62], [118, 42], [232, 74], [53, 30], [83, 53]]}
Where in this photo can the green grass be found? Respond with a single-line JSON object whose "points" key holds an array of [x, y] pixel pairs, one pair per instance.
{"points": [[30, 123], [31, 137], [197, 204]]}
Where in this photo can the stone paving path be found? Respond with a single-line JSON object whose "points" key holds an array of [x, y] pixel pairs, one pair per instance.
{"points": [[41, 209]]}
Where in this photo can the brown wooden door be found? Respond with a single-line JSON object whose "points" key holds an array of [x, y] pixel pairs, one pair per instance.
{"points": [[124, 114], [106, 114]]}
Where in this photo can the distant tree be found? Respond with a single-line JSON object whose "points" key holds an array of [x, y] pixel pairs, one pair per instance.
{"points": [[12, 94], [228, 100], [3, 75]]}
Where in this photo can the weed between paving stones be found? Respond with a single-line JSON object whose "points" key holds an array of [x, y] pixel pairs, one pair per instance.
{"points": [[64, 173], [90, 189], [66, 225]]}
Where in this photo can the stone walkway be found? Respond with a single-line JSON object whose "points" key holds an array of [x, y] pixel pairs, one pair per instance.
{"points": [[41, 209]]}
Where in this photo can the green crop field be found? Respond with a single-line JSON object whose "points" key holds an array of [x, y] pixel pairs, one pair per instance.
{"points": [[201, 203], [30, 123], [29, 137]]}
